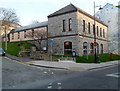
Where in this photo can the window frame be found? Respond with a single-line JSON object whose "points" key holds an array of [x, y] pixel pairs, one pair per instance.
{"points": [[70, 24], [89, 27], [83, 25], [18, 35], [64, 25]]}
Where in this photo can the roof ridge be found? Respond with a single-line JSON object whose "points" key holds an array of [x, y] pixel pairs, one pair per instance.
{"points": [[68, 8]]}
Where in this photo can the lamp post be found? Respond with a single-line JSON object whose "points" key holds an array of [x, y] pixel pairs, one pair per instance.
{"points": [[94, 36], [94, 30]]}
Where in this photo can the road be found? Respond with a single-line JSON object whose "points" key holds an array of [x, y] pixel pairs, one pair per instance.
{"points": [[21, 76]]}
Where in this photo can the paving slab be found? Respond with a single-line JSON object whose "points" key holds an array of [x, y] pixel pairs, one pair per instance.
{"points": [[73, 65]]}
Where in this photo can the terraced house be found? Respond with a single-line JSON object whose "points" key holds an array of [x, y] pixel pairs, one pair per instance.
{"points": [[71, 29]]}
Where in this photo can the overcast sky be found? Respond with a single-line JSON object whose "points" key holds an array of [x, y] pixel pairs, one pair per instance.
{"points": [[29, 10]]}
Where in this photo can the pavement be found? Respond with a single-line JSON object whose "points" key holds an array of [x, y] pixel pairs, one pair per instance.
{"points": [[69, 65]]}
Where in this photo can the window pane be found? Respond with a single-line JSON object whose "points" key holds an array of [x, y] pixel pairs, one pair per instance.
{"points": [[70, 24], [64, 26], [83, 25]]}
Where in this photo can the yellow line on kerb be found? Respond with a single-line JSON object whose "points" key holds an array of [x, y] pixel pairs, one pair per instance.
{"points": [[22, 63], [27, 64], [36, 51]]}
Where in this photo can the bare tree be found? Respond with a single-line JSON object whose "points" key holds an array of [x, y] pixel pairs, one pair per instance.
{"points": [[35, 22], [7, 18], [37, 35]]}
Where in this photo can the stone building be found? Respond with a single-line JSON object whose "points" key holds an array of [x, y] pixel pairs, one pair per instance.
{"points": [[71, 29], [27, 33], [9, 28]]}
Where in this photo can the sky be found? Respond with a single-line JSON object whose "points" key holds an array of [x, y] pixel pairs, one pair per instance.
{"points": [[30, 10]]}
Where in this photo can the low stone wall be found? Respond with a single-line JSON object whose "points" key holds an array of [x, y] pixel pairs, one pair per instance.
{"points": [[39, 56]]}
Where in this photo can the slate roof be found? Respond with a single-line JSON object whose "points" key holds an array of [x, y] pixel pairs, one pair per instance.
{"points": [[71, 8], [66, 9], [32, 26], [108, 5]]}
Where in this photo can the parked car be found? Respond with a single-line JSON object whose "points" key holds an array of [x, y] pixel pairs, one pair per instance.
{"points": [[2, 52]]}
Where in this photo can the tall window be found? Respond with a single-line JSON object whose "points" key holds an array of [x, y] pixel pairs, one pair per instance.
{"points": [[18, 35], [89, 27], [103, 33], [97, 48], [12, 36], [85, 48], [97, 31], [64, 25], [25, 34], [67, 48], [70, 24], [83, 25], [100, 32]]}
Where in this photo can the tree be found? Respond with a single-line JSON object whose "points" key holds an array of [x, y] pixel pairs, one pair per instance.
{"points": [[38, 36], [7, 17], [35, 22]]}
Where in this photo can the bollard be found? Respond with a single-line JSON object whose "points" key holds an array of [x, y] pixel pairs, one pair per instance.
{"points": [[111, 56], [98, 59]]}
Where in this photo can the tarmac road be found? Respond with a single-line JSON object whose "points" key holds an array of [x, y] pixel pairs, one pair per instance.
{"points": [[19, 76]]}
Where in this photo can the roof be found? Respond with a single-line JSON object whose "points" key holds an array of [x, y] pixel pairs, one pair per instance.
{"points": [[32, 26], [108, 5], [66, 9], [71, 8]]}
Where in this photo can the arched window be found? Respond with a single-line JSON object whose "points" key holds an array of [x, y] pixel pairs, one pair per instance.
{"points": [[91, 48], [97, 48], [101, 48], [85, 47], [67, 48]]}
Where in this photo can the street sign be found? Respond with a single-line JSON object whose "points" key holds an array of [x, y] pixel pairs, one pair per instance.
{"points": [[85, 44], [73, 53], [95, 44], [51, 42]]}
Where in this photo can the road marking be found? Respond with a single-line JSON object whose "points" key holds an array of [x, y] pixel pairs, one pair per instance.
{"points": [[50, 83], [52, 73], [27, 64], [49, 87], [114, 75], [59, 83], [45, 72]]}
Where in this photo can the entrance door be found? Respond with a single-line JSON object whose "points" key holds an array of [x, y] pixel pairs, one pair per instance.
{"points": [[68, 48]]}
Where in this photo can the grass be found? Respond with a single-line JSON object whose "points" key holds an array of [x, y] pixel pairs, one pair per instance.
{"points": [[103, 58], [14, 47]]}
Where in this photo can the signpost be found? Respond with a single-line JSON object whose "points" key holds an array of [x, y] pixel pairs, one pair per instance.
{"points": [[51, 43], [74, 54], [95, 45]]}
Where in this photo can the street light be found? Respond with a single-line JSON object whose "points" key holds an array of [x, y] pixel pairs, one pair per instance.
{"points": [[95, 44]]}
